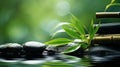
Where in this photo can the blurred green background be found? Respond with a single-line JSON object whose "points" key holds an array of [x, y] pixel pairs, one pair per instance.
{"points": [[26, 20]]}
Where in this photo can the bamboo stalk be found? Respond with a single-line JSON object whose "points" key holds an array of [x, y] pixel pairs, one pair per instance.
{"points": [[107, 39], [108, 15]]}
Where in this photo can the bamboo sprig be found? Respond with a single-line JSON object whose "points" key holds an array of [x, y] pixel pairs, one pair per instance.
{"points": [[108, 15]]}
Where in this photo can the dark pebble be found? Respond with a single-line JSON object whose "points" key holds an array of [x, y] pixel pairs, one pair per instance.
{"points": [[33, 49], [10, 50]]}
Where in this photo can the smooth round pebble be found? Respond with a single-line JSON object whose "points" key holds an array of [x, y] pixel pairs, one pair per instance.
{"points": [[33, 49]]}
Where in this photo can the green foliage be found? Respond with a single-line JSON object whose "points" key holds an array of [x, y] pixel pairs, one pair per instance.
{"points": [[78, 26], [113, 3], [61, 30], [59, 42], [70, 31], [56, 64], [72, 48], [110, 5], [92, 31], [76, 30]]}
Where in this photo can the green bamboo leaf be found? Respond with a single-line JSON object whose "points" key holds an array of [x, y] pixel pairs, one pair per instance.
{"points": [[113, 4], [78, 25], [58, 42], [56, 64], [97, 27], [70, 31], [112, 1], [91, 29], [61, 24], [84, 45], [57, 32], [72, 48]]}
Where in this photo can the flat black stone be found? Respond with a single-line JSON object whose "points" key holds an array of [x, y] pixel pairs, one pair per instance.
{"points": [[33, 49], [10, 50], [109, 28]]}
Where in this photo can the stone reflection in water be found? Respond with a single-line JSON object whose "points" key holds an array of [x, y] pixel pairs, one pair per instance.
{"points": [[96, 57], [103, 54], [49, 61]]}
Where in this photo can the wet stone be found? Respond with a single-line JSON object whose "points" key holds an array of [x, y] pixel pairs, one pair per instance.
{"points": [[33, 49], [10, 50]]}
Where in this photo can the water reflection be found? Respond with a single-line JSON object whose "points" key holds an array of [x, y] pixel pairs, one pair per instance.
{"points": [[96, 57], [103, 54], [49, 61]]}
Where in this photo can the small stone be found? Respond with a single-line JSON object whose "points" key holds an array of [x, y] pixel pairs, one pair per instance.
{"points": [[33, 49]]}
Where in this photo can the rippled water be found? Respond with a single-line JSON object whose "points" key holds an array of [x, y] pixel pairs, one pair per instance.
{"points": [[49, 61], [98, 57], [57, 61]]}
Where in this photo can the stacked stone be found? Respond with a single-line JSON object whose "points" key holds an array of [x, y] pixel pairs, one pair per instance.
{"points": [[105, 46], [29, 50], [34, 50]]}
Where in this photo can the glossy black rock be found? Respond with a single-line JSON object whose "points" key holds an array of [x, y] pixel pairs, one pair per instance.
{"points": [[10, 50], [109, 28], [33, 49]]}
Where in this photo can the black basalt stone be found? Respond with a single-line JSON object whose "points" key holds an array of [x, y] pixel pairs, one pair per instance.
{"points": [[33, 49], [108, 28], [10, 50]]}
